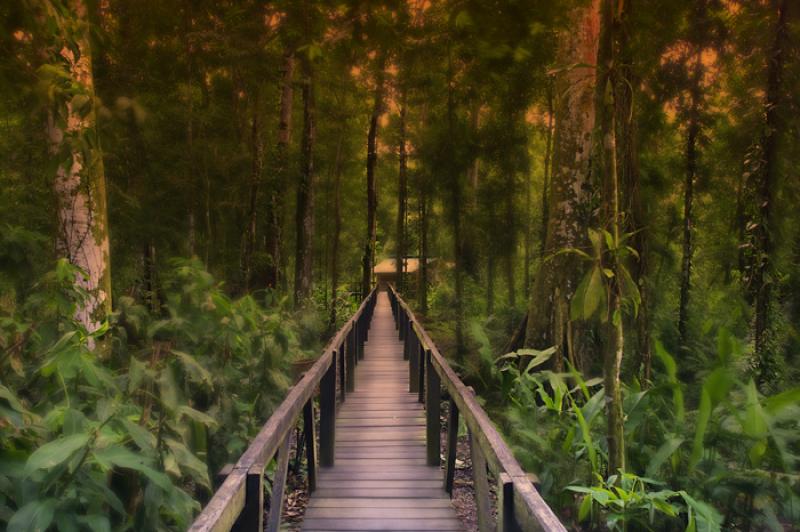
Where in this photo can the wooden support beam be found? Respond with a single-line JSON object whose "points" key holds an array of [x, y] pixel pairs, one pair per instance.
{"points": [[350, 363], [505, 504], [413, 359], [432, 413], [452, 446], [252, 515], [327, 417], [480, 482], [421, 375], [309, 428], [278, 489]]}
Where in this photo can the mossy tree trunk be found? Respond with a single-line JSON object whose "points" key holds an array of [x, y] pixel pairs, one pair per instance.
{"points": [[79, 180]]}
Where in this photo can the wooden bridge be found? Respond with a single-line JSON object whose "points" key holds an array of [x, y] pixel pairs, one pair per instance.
{"points": [[376, 463]]}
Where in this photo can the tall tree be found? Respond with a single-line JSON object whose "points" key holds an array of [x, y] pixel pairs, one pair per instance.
{"points": [[766, 226], [79, 180], [368, 260], [569, 193], [402, 190], [606, 148], [304, 219], [278, 178], [693, 132]]}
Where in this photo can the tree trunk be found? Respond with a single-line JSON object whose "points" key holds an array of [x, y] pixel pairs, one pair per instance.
{"points": [[257, 169], [570, 189], [79, 183], [548, 159], [368, 260], [422, 289], [607, 151], [456, 193], [337, 231], [304, 221], [402, 199], [490, 267], [630, 178], [275, 203], [763, 278], [693, 131]]}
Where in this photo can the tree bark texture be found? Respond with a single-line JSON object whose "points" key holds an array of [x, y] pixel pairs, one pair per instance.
{"points": [[568, 197], [79, 182], [304, 220], [275, 204], [402, 194], [368, 260]]}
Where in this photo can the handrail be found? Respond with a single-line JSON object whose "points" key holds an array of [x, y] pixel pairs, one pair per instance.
{"points": [[519, 506], [238, 503]]}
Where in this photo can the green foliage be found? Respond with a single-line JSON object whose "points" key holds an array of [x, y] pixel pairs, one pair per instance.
{"points": [[124, 437]]}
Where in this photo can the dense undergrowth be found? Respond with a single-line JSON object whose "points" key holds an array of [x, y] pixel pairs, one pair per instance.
{"points": [[707, 453], [121, 428]]}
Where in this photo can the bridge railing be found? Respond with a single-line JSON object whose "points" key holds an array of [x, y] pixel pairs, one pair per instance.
{"points": [[239, 502], [519, 505]]}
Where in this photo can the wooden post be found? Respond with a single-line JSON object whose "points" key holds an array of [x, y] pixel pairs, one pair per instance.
{"points": [[403, 325], [421, 374], [252, 515], [340, 368], [362, 335], [350, 364], [480, 481], [505, 504], [432, 412], [327, 417], [413, 354], [278, 488], [311, 443], [452, 442]]}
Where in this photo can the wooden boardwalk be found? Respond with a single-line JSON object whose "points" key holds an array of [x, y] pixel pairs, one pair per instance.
{"points": [[380, 480]]}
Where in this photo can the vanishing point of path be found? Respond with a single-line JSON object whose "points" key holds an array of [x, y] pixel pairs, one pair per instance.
{"points": [[380, 480]]}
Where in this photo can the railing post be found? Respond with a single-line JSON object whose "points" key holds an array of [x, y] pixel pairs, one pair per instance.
{"points": [[278, 488], [413, 364], [432, 411], [311, 442], [327, 416], [340, 369], [452, 442], [350, 364], [480, 481], [252, 515], [422, 362], [506, 522], [362, 335]]}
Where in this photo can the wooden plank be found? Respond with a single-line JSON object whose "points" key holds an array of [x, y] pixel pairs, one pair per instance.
{"points": [[225, 506], [383, 524], [357, 483], [382, 493], [318, 502], [389, 513]]}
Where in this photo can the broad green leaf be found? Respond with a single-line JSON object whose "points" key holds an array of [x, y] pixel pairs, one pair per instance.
{"points": [[595, 293], [36, 516], [664, 452], [585, 508], [777, 403], [703, 416], [55, 452], [706, 517]]}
